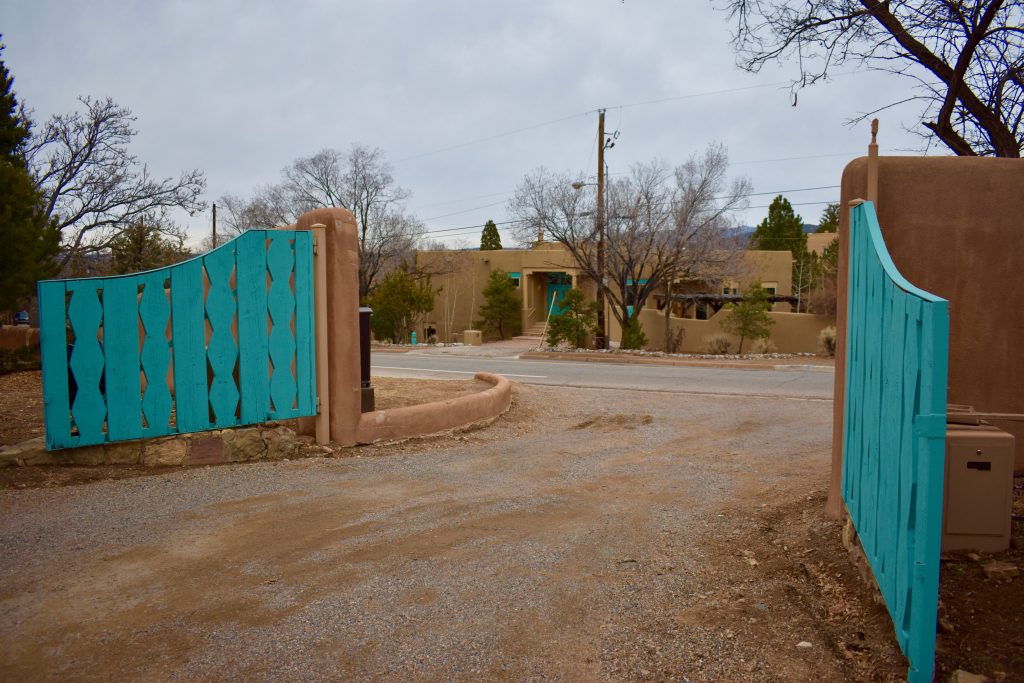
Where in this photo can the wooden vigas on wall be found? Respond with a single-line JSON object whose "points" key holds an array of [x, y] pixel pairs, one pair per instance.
{"points": [[894, 434], [221, 340]]}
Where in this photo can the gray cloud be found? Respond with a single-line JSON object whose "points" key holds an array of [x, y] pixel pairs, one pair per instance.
{"points": [[239, 89]]}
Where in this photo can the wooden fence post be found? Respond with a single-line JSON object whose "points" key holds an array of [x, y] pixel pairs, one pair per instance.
{"points": [[323, 384]]}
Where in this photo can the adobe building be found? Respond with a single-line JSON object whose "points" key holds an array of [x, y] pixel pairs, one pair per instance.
{"points": [[548, 270]]}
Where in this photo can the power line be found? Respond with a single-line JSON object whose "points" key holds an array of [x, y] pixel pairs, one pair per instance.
{"points": [[812, 156], [506, 194], [464, 199], [455, 232], [475, 208], [493, 137], [751, 194], [620, 107], [701, 94]]}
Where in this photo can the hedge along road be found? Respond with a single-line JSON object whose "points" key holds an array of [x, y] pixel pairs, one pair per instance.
{"points": [[793, 382]]}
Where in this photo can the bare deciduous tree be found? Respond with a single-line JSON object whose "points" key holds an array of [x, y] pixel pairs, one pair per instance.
{"points": [[92, 187], [269, 207], [661, 224], [966, 57], [359, 180]]}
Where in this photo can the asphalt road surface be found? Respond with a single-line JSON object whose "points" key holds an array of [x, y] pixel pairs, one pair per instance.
{"points": [[799, 382]]}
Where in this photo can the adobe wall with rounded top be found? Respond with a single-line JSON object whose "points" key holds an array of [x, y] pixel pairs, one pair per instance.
{"points": [[954, 227], [430, 418], [790, 333]]}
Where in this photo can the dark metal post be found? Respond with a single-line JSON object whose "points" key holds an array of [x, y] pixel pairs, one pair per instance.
{"points": [[365, 389]]}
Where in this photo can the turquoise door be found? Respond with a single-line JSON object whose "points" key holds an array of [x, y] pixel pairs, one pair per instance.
{"points": [[558, 285], [558, 291]]}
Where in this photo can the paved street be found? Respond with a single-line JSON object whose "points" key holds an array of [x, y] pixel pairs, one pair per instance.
{"points": [[794, 382]]}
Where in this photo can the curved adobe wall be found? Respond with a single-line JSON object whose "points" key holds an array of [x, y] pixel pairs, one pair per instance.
{"points": [[429, 418]]}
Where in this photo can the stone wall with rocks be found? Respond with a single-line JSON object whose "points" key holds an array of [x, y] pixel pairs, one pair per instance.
{"points": [[270, 441]]}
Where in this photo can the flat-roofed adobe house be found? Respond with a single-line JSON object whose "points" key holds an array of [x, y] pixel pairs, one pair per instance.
{"points": [[544, 272], [818, 241]]}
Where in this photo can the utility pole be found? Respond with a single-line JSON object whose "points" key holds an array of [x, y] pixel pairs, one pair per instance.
{"points": [[601, 340], [214, 239]]}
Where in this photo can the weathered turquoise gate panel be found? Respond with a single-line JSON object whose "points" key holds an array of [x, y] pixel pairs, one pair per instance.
{"points": [[894, 434], [221, 340]]}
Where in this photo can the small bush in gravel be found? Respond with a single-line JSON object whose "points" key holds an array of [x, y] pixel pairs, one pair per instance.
{"points": [[763, 345], [749, 318], [827, 340], [718, 344], [633, 336], [576, 321]]}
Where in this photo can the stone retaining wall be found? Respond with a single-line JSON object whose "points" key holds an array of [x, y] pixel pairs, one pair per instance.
{"points": [[270, 441], [14, 337]]}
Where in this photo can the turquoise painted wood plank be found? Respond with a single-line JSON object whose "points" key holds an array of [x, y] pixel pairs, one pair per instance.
{"points": [[851, 463], [934, 360], [305, 333], [189, 347], [281, 306], [54, 357], [903, 474], [253, 343], [89, 407], [869, 398], [892, 361], [222, 351], [155, 312], [121, 348]]}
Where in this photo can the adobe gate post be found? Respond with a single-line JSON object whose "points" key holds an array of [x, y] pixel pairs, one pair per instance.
{"points": [[342, 259]]}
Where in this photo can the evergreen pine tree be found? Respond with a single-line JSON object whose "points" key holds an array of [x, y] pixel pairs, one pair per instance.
{"points": [[398, 303], [490, 239], [829, 221], [575, 323], [501, 306], [141, 246], [749, 319], [782, 230], [29, 243]]}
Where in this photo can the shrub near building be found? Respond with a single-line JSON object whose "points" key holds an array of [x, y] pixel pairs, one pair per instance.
{"points": [[500, 311], [576, 322], [749, 319], [398, 303]]}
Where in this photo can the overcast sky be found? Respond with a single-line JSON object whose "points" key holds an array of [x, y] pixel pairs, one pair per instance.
{"points": [[240, 89]]}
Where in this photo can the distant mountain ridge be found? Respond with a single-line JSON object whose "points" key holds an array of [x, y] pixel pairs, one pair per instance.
{"points": [[744, 232]]}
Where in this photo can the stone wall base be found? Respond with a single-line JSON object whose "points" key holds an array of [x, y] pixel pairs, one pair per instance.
{"points": [[860, 560], [268, 441]]}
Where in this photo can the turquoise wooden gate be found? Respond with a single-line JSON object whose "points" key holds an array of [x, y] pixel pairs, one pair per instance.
{"points": [[221, 340], [894, 434]]}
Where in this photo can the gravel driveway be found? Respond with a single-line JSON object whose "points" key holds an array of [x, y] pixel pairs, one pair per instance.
{"points": [[588, 535]]}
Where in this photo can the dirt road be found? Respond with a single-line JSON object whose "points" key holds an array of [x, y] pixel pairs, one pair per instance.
{"points": [[589, 535]]}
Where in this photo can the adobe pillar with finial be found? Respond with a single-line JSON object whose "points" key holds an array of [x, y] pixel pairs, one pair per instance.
{"points": [[872, 189]]}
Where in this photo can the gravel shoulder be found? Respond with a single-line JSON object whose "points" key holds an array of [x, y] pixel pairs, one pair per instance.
{"points": [[586, 535]]}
